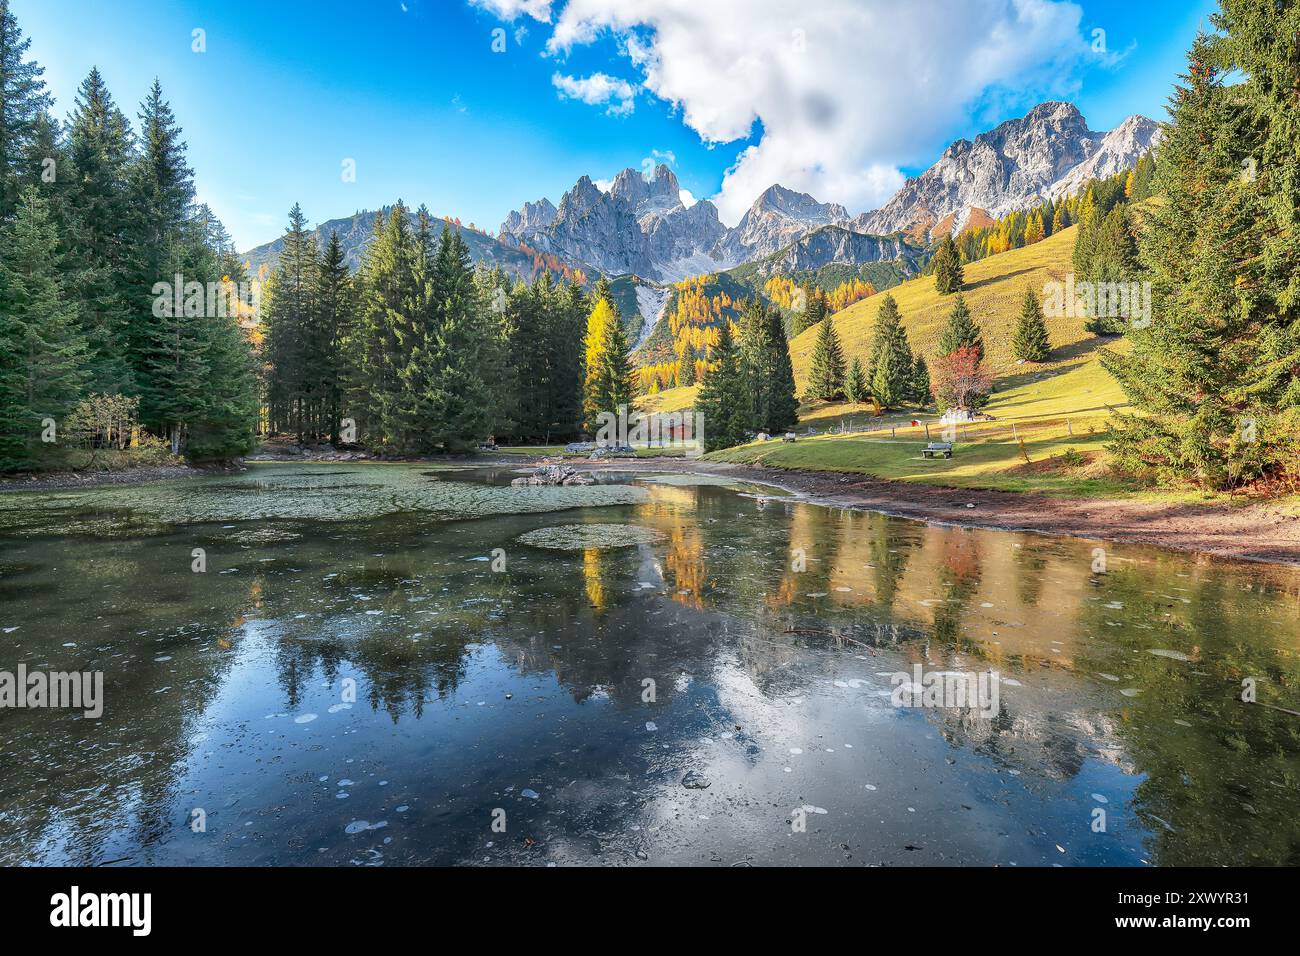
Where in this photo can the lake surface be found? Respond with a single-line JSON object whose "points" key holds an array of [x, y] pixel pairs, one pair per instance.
{"points": [[374, 669]]}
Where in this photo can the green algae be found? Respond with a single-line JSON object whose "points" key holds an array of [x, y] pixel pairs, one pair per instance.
{"points": [[582, 537], [269, 493]]}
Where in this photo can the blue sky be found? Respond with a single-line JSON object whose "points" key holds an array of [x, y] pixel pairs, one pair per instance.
{"points": [[286, 91]]}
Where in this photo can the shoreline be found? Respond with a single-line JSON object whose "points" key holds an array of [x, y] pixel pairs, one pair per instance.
{"points": [[1257, 531], [64, 480]]}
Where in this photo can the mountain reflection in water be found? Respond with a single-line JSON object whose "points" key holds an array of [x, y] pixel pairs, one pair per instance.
{"points": [[529, 689]]}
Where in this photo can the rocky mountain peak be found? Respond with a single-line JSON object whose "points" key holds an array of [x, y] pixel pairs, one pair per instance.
{"points": [[1048, 152], [778, 200]]}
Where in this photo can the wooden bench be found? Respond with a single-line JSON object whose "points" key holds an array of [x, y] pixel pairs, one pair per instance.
{"points": [[938, 448]]}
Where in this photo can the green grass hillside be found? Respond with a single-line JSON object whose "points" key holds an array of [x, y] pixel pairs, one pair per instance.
{"points": [[994, 289], [1058, 408]]}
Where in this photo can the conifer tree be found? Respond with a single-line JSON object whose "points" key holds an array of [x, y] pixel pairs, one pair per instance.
{"points": [[948, 273], [1034, 230], [43, 362], [826, 374], [612, 383], [816, 307], [1213, 377], [564, 358], [1060, 219], [289, 321], [769, 374], [23, 102], [388, 305], [1113, 258], [887, 320], [334, 314], [961, 331], [1030, 341], [723, 402], [687, 363], [855, 386], [99, 151], [891, 368], [920, 387], [225, 410], [446, 399]]}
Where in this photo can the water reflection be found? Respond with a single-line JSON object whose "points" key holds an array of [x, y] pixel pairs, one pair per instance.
{"points": [[752, 643]]}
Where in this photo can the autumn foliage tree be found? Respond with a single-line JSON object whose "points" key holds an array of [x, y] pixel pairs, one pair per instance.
{"points": [[960, 379]]}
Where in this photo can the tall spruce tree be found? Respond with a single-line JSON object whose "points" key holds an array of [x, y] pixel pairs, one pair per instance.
{"points": [[765, 353], [961, 331], [289, 321], [1213, 377], [723, 402], [43, 360], [815, 308], [448, 402], [891, 370], [389, 303], [224, 416], [1030, 341], [855, 386], [23, 102], [948, 274], [168, 243], [335, 314], [826, 373], [920, 388], [104, 275]]}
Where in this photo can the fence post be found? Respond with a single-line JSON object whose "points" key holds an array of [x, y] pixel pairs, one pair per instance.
{"points": [[1068, 427]]}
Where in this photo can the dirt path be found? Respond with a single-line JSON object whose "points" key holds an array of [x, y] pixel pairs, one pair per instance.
{"points": [[1255, 532]]}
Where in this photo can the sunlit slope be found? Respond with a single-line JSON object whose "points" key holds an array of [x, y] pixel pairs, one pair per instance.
{"points": [[1072, 382], [995, 289]]}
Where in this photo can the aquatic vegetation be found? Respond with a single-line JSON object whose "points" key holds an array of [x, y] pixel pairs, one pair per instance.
{"points": [[581, 537], [272, 492]]}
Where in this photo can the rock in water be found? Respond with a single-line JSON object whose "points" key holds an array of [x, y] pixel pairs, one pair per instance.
{"points": [[694, 780], [551, 475]]}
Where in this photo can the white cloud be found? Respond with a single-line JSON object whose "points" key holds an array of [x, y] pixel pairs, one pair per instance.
{"points": [[598, 89], [842, 91], [511, 9], [687, 197]]}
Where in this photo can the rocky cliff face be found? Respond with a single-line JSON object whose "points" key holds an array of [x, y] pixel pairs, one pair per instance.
{"points": [[639, 226], [1047, 153], [534, 217], [837, 244], [777, 218]]}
